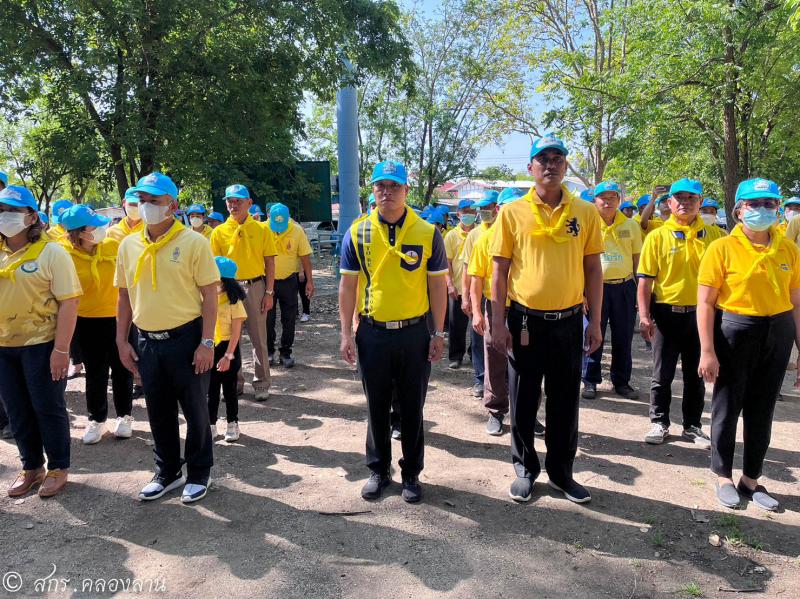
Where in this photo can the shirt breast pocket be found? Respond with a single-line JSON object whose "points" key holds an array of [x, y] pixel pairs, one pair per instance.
{"points": [[413, 257]]}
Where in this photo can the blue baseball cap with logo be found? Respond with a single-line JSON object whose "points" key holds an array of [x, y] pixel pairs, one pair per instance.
{"points": [[587, 195], [4, 178], [426, 211], [157, 184], [686, 185], [794, 200], [18, 196], [464, 204], [81, 215], [58, 208], [606, 186], [710, 203], [255, 210], [626, 205], [196, 209], [390, 170], [43, 217], [752, 189], [237, 191], [643, 200], [279, 218], [489, 197], [227, 267], [547, 142], [436, 218], [508, 195], [216, 216], [132, 196]]}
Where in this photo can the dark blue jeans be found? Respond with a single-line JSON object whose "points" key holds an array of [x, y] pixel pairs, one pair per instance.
{"points": [[619, 311], [476, 349], [35, 405]]}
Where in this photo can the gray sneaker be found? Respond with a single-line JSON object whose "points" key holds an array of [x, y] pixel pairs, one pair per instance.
{"points": [[697, 436], [657, 434], [589, 391], [521, 489], [727, 495], [375, 486], [477, 390], [494, 426]]}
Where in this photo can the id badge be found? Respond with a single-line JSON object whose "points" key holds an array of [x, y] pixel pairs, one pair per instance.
{"points": [[524, 335]]}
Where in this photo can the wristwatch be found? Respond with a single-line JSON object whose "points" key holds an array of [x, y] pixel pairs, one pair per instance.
{"points": [[209, 343], [439, 334], [269, 292]]}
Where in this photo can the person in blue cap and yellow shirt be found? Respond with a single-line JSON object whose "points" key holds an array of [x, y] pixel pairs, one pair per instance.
{"points": [[242, 239], [256, 213], [196, 214], [622, 244], [791, 224], [56, 231], [437, 219], [94, 255], [628, 209], [587, 195], [132, 223], [546, 253], [748, 309], [215, 219], [708, 212], [667, 299], [39, 293], [457, 319], [393, 273], [167, 281], [293, 248]]}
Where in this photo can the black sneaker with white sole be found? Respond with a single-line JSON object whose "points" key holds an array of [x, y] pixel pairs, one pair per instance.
{"points": [[160, 485], [571, 490], [538, 429]]}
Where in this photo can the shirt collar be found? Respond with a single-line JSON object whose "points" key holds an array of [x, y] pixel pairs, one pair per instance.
{"points": [[399, 222]]}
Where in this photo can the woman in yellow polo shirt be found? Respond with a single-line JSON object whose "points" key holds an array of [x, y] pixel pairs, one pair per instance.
{"points": [[39, 293], [95, 258], [748, 300]]}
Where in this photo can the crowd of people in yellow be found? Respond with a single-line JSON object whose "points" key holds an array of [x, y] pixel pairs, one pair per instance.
{"points": [[540, 276]]}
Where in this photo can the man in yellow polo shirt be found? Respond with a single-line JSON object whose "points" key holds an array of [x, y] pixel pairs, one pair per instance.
{"points": [[667, 298], [251, 246], [457, 318], [392, 263], [546, 256], [167, 281], [292, 246], [132, 223], [622, 244]]}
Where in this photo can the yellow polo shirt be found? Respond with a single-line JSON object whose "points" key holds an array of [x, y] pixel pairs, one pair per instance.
{"points": [[546, 271], [469, 243], [29, 302], [205, 231], [751, 280], [226, 314], [481, 263], [99, 299], [454, 243], [665, 258], [654, 223], [122, 229], [291, 245], [246, 244], [793, 230], [183, 264], [621, 240]]}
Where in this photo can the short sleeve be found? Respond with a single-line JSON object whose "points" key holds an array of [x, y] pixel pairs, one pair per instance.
{"points": [[794, 282], [636, 238], [237, 311], [648, 260], [594, 240], [64, 283], [503, 242], [216, 247], [120, 280], [205, 268], [712, 266], [269, 242], [437, 263], [304, 247], [349, 263]]}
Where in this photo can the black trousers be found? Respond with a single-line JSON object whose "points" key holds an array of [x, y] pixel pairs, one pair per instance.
{"points": [[286, 297], [753, 353], [554, 353], [169, 380], [619, 311], [457, 323], [394, 360], [3, 415], [225, 381], [304, 300], [675, 338], [97, 342]]}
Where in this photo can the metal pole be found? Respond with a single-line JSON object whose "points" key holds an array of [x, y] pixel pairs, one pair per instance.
{"points": [[347, 140]]}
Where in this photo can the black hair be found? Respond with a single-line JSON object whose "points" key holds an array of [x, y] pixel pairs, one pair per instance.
{"points": [[233, 290]]}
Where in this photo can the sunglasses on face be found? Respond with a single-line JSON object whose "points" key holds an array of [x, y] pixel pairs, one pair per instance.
{"points": [[765, 203]]}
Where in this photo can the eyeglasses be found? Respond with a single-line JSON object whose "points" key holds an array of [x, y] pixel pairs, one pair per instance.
{"points": [[556, 160], [767, 203]]}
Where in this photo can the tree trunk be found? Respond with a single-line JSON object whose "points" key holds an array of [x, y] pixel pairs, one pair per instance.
{"points": [[119, 170]]}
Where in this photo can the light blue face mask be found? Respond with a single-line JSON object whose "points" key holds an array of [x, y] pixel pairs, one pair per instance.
{"points": [[759, 219], [468, 219]]}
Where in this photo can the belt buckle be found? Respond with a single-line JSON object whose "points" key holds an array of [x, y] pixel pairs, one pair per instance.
{"points": [[159, 336], [393, 325], [552, 315], [679, 309]]}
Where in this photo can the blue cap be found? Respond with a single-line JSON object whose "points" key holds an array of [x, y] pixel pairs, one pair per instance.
{"points": [[278, 218], [426, 211], [43, 217], [196, 209], [625, 205], [371, 200], [548, 141], [157, 184], [587, 195], [255, 209], [237, 191], [131, 196], [227, 267], [445, 210], [436, 218], [464, 204], [58, 208], [81, 215], [758, 188], [606, 186], [217, 216], [18, 197], [710, 203], [793, 200], [4, 178], [508, 195], [390, 170], [687, 186], [489, 197], [643, 200]]}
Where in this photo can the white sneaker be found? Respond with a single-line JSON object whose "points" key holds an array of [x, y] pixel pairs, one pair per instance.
{"points": [[74, 370], [214, 432], [93, 432], [657, 433], [305, 318], [697, 436], [232, 432], [124, 428]]}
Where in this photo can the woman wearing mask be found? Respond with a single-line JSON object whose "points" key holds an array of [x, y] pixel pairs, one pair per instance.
{"points": [[95, 258], [791, 208], [39, 293], [747, 317], [708, 212], [132, 223], [196, 212]]}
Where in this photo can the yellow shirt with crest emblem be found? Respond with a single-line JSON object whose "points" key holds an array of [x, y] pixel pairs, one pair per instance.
{"points": [[246, 244], [621, 241], [291, 245]]}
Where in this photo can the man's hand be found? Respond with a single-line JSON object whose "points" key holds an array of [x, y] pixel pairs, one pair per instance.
{"points": [[266, 303], [478, 323], [451, 289], [466, 305], [593, 338], [203, 359], [347, 349], [128, 357], [501, 339], [310, 289], [709, 366], [59, 365], [435, 349], [647, 327]]}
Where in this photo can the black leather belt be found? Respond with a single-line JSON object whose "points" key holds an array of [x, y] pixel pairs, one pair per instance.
{"points": [[544, 315], [171, 333], [256, 280], [681, 309], [392, 324], [619, 281]]}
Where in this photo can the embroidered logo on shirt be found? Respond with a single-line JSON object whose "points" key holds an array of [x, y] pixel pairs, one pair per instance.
{"points": [[176, 254], [573, 228], [784, 267], [29, 267]]}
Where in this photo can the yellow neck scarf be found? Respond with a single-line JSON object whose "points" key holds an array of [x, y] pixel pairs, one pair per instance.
{"points": [[606, 230], [150, 249], [379, 226], [766, 258], [92, 259], [694, 245], [239, 237], [32, 253], [555, 232]]}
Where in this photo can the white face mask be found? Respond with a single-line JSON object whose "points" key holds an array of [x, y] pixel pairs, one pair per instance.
{"points": [[709, 219], [153, 214], [790, 214], [132, 210], [12, 223], [197, 221], [97, 235]]}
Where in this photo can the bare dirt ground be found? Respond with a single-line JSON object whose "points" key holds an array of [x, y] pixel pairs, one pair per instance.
{"points": [[284, 517]]}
